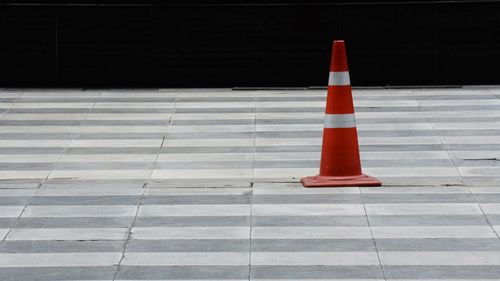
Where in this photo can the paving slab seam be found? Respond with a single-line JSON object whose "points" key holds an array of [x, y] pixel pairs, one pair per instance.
{"points": [[129, 234], [251, 188], [73, 137], [373, 239], [28, 202], [484, 214]]}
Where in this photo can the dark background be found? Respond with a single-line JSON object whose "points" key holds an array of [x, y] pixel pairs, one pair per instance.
{"points": [[226, 44]]}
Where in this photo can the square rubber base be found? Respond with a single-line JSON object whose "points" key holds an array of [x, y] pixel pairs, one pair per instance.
{"points": [[323, 181]]}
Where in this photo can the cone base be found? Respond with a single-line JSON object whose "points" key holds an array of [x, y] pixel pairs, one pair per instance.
{"points": [[325, 181]]}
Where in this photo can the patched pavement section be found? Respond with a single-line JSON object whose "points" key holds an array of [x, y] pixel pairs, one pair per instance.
{"points": [[203, 185]]}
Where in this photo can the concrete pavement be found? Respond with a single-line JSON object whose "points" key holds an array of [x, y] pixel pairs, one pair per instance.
{"points": [[202, 185]]}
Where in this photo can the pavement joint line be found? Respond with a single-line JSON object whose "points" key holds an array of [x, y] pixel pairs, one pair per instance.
{"points": [[374, 241], [250, 238], [484, 214], [127, 240], [28, 202], [73, 137]]}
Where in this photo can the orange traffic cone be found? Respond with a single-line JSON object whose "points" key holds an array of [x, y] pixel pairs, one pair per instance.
{"points": [[340, 162]]}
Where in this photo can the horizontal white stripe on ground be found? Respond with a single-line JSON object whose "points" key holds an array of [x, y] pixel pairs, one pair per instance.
{"points": [[339, 78], [184, 259], [333, 121], [426, 209], [154, 233], [469, 258], [378, 232], [314, 258], [80, 211], [59, 259], [69, 234]]}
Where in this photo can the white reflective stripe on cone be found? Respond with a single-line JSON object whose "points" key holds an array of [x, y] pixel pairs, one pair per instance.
{"points": [[340, 78], [340, 121]]}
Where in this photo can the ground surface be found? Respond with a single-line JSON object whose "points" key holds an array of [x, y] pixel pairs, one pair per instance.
{"points": [[202, 185]]}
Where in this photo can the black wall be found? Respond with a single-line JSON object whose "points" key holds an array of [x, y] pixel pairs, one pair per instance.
{"points": [[224, 44]]}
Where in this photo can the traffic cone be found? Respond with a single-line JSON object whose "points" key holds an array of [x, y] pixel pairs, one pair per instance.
{"points": [[340, 162]]}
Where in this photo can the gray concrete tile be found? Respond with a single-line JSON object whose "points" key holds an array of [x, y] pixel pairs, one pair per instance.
{"points": [[75, 222], [442, 272], [194, 199], [439, 244], [62, 246], [205, 221], [182, 272], [57, 273], [315, 272], [313, 221], [85, 200], [428, 220], [183, 246], [312, 245]]}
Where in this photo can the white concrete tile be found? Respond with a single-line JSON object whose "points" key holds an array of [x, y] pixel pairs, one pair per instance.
{"points": [[28, 105], [59, 259], [314, 258], [408, 190], [490, 208], [90, 191], [124, 158], [34, 143], [10, 211], [202, 174], [287, 141], [394, 126], [211, 128], [39, 129], [17, 192], [213, 116], [214, 105], [134, 105], [491, 101], [308, 210], [471, 140], [285, 173], [290, 115], [184, 259], [433, 232], [289, 127], [286, 156], [397, 140], [23, 174], [155, 233], [423, 209], [480, 171], [412, 172], [340, 232], [467, 126], [121, 129], [208, 142], [117, 143], [382, 155], [44, 116], [3, 233], [73, 234], [100, 174], [198, 191], [215, 157], [129, 116], [484, 189], [30, 158], [193, 210], [80, 211], [468, 258]]}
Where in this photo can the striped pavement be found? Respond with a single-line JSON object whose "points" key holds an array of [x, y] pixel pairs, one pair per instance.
{"points": [[202, 184]]}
